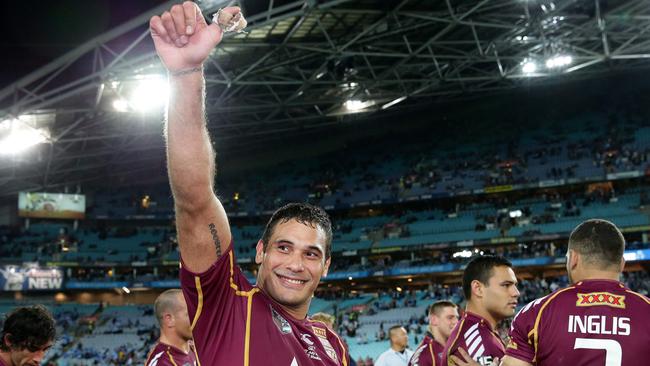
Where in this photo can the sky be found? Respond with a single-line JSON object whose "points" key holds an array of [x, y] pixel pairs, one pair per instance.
{"points": [[33, 33]]}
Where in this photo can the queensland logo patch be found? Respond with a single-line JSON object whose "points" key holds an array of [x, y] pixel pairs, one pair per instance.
{"points": [[601, 299], [282, 323]]}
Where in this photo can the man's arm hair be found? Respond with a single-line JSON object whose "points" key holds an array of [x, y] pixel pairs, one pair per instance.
{"points": [[201, 221]]}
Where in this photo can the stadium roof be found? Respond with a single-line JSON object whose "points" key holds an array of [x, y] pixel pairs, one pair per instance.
{"points": [[306, 65]]}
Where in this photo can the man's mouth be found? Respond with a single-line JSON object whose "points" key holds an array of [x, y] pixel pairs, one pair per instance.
{"points": [[291, 281]]}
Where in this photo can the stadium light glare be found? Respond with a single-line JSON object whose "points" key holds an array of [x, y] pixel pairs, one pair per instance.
{"points": [[21, 137], [393, 102], [558, 61], [354, 105], [463, 254], [529, 67], [150, 93], [121, 105]]}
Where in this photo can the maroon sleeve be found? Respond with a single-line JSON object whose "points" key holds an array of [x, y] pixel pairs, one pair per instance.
{"points": [[521, 345], [213, 304], [480, 343], [423, 356]]}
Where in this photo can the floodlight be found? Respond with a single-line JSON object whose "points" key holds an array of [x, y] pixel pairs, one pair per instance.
{"points": [[20, 137], [529, 67], [558, 61], [354, 105], [150, 93]]}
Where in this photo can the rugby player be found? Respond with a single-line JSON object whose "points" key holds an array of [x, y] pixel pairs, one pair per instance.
{"points": [[443, 317], [27, 334], [490, 288], [233, 322], [174, 347], [596, 320]]}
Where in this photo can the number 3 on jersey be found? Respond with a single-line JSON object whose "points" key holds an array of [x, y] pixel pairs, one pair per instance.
{"points": [[613, 351]]}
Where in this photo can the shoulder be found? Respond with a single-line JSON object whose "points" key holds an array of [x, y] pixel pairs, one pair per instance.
{"points": [[530, 313], [643, 300], [457, 334], [156, 356], [382, 358], [470, 328]]}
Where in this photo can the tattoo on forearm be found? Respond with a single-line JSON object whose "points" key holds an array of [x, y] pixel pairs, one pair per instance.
{"points": [[215, 239]]}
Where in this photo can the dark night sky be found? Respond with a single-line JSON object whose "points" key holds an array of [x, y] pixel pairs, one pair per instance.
{"points": [[34, 33]]}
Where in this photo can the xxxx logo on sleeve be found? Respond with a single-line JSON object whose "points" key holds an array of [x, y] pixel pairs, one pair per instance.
{"points": [[601, 299]]}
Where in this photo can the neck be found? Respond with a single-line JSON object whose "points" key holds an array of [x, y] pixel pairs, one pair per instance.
{"points": [[5, 357], [397, 348], [437, 335], [594, 274], [176, 341], [298, 312], [482, 312]]}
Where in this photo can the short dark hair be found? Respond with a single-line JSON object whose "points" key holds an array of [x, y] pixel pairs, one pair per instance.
{"points": [[304, 213], [599, 241], [29, 327], [393, 328], [437, 306], [481, 269]]}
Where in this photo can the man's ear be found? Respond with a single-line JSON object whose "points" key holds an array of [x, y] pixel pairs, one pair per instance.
{"points": [[168, 320], [574, 259], [328, 261], [622, 265], [478, 289], [7, 341], [259, 252], [434, 320]]}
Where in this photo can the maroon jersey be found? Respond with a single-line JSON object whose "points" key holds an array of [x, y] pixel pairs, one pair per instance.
{"points": [[165, 355], [594, 322], [475, 335], [428, 353], [234, 323]]}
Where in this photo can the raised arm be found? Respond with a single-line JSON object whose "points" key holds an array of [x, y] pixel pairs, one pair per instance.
{"points": [[183, 42]]}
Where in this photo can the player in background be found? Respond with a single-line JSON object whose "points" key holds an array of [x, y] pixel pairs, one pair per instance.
{"points": [[443, 317], [27, 334], [232, 321], [174, 347], [490, 288], [398, 353], [596, 320]]}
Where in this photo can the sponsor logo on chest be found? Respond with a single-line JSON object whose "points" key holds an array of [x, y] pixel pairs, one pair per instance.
{"points": [[321, 334], [311, 349]]}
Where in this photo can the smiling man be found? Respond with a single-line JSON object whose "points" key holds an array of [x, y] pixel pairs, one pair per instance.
{"points": [[27, 334], [443, 317], [490, 288], [233, 322]]}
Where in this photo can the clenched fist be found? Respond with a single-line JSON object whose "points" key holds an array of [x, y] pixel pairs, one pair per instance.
{"points": [[184, 40]]}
